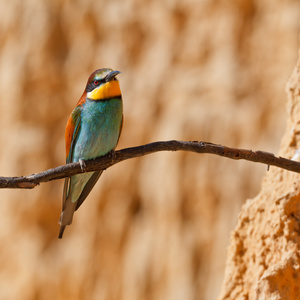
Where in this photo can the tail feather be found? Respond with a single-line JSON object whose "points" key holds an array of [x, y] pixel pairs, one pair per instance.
{"points": [[66, 216], [61, 231], [76, 188]]}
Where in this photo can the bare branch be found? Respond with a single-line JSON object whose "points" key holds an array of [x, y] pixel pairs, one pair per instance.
{"points": [[111, 159]]}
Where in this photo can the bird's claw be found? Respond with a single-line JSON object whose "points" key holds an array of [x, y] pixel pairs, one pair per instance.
{"points": [[112, 154], [82, 165]]}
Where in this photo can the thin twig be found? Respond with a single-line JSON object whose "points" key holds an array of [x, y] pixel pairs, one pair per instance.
{"points": [[109, 160]]}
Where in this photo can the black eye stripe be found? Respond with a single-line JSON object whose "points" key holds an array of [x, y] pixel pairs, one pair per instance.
{"points": [[92, 84]]}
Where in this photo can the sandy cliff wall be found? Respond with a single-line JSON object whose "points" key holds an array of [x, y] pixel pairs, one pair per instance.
{"points": [[263, 258]]}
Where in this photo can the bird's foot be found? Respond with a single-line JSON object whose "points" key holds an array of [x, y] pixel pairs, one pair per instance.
{"points": [[82, 164], [112, 154]]}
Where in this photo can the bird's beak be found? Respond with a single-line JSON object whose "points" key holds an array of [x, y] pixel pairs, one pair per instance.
{"points": [[110, 76]]}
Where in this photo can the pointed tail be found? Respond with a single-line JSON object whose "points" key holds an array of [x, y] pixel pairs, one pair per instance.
{"points": [[61, 231], [85, 182], [66, 217]]}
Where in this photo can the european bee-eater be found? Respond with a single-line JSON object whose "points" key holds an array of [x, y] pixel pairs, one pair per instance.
{"points": [[93, 130]]}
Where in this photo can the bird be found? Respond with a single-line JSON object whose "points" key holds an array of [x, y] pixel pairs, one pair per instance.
{"points": [[93, 129]]}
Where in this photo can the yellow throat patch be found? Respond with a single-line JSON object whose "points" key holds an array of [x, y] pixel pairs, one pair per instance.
{"points": [[110, 89]]}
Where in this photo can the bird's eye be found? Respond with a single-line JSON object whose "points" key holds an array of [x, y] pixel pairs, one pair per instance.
{"points": [[96, 82]]}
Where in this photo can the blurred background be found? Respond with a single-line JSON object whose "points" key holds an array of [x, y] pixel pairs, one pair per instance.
{"points": [[156, 227]]}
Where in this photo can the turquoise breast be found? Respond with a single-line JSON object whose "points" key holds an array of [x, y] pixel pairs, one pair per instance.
{"points": [[100, 128]]}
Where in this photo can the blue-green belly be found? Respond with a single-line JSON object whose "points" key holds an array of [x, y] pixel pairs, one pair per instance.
{"points": [[99, 131], [98, 135]]}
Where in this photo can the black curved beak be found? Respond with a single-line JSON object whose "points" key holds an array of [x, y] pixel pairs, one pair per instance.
{"points": [[110, 76]]}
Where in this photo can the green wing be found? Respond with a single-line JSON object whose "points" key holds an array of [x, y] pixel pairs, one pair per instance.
{"points": [[88, 187], [73, 126], [94, 178], [92, 181]]}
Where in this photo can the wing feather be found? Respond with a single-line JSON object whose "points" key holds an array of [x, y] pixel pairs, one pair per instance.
{"points": [[72, 129], [92, 181], [88, 187]]}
